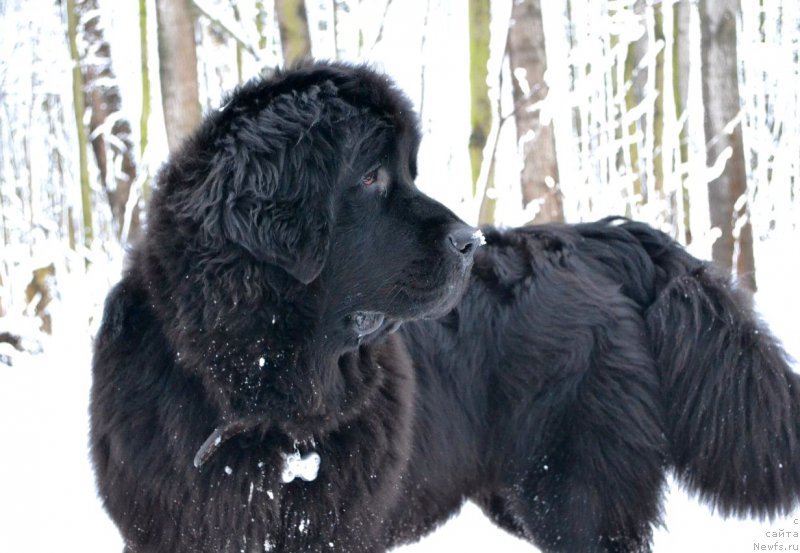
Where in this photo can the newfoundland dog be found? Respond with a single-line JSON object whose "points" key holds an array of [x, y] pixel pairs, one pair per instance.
{"points": [[307, 354]]}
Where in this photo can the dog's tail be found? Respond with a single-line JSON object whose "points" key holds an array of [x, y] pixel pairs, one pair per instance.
{"points": [[732, 401]]}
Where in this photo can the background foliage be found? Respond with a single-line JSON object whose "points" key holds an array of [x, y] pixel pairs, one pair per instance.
{"points": [[683, 113]]}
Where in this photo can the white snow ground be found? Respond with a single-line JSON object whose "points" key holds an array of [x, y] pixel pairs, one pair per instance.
{"points": [[46, 487]]}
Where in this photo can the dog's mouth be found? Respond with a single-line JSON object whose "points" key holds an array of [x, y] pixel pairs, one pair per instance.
{"points": [[414, 303], [366, 326], [448, 296]]}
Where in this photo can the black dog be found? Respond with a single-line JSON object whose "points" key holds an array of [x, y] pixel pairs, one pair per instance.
{"points": [[287, 366]]}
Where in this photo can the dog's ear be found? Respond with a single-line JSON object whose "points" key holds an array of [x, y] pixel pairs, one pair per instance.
{"points": [[270, 182]]}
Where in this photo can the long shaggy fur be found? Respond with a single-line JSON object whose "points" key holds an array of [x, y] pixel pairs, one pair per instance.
{"points": [[733, 406], [294, 292]]}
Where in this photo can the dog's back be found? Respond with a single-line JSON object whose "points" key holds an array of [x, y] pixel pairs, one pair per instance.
{"points": [[622, 356], [731, 400]]}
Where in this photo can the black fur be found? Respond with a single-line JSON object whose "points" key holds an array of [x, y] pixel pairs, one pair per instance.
{"points": [[288, 297]]}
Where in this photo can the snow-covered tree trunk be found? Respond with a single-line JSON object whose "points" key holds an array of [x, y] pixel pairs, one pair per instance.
{"points": [[727, 193], [535, 138], [110, 131]]}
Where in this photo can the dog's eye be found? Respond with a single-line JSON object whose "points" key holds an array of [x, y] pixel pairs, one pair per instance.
{"points": [[370, 178], [376, 179]]}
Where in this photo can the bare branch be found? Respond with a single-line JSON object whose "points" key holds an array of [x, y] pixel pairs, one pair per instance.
{"points": [[231, 28], [379, 36]]}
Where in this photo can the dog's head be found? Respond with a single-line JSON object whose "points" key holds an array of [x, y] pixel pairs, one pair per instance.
{"points": [[294, 207]]}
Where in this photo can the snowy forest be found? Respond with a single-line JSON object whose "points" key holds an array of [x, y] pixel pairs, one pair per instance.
{"points": [[681, 113]]}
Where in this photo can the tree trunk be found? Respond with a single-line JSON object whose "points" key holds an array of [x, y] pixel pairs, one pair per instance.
{"points": [[261, 24], [178, 60], [112, 143], [680, 58], [721, 100], [536, 141], [239, 48], [79, 109], [480, 105], [293, 24], [145, 116], [658, 153], [636, 79]]}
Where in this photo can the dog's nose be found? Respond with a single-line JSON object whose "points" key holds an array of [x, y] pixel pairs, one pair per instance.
{"points": [[465, 240]]}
